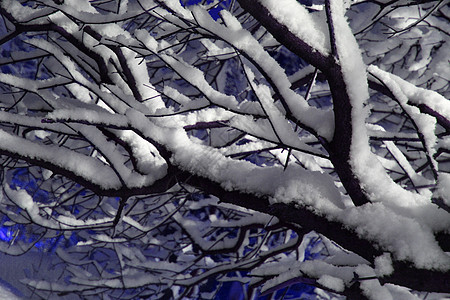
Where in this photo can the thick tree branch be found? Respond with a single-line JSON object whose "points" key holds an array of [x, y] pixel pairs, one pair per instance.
{"points": [[405, 274], [339, 147]]}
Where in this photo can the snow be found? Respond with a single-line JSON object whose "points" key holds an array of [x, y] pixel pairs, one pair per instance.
{"points": [[148, 159], [221, 52], [181, 98], [92, 116], [413, 93], [302, 73], [400, 158], [314, 189], [149, 162], [331, 282], [81, 165], [35, 122], [192, 228], [328, 274], [69, 65], [264, 129], [189, 73], [405, 237], [23, 13], [175, 6], [16, 81], [401, 293], [64, 21], [24, 201], [354, 73], [426, 124], [80, 5], [154, 168], [6, 294], [372, 288], [80, 92], [230, 21], [243, 175], [383, 265], [444, 187], [139, 71], [300, 22], [244, 41], [278, 123], [247, 147]]}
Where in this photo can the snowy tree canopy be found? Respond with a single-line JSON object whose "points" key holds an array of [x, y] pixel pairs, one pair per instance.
{"points": [[175, 148]]}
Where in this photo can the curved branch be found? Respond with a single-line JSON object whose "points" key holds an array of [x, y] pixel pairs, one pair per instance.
{"points": [[339, 147]]}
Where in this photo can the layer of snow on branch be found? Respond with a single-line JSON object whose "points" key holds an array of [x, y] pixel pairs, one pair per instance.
{"points": [[378, 185], [148, 160], [81, 165], [281, 127], [316, 187], [444, 187], [331, 282], [425, 123], [300, 22], [80, 5], [419, 95], [21, 12], [118, 161], [372, 288], [41, 215], [383, 265], [91, 116], [405, 237], [329, 275], [175, 6], [140, 74]]}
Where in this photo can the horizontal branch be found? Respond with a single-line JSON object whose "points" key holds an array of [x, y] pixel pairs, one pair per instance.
{"points": [[404, 273]]}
